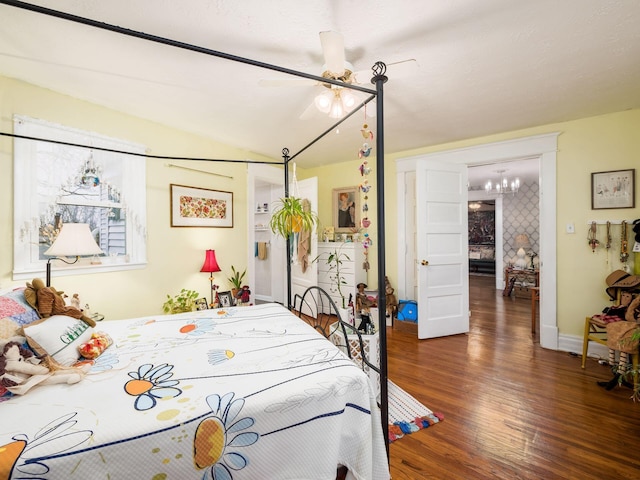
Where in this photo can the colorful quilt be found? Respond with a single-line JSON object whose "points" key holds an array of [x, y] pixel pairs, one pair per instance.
{"points": [[224, 394]]}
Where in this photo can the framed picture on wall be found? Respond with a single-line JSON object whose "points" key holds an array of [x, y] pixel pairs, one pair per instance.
{"points": [[613, 189], [200, 207], [346, 209]]}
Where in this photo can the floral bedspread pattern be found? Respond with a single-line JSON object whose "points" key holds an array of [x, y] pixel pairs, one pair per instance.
{"points": [[225, 394]]}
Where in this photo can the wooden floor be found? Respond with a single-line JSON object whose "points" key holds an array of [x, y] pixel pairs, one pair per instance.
{"points": [[512, 409]]}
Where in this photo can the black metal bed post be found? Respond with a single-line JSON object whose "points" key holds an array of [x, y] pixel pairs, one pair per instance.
{"points": [[285, 156], [379, 79]]}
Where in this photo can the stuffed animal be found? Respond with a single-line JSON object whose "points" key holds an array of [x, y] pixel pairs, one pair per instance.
{"points": [[363, 302], [244, 294], [391, 300], [48, 301], [20, 370], [633, 310], [98, 343]]}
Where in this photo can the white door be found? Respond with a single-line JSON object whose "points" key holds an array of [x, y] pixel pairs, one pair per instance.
{"points": [[443, 266], [304, 274]]}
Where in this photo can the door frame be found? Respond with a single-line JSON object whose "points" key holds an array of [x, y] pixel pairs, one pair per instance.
{"points": [[274, 176], [544, 147]]}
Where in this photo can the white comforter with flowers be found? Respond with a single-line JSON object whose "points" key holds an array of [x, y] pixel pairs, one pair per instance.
{"points": [[226, 394]]}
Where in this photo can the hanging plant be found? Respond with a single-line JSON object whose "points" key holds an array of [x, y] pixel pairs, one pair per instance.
{"points": [[292, 216]]}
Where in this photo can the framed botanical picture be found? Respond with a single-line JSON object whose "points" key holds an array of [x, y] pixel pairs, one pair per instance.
{"points": [[613, 189], [225, 299], [346, 209], [202, 304], [200, 207]]}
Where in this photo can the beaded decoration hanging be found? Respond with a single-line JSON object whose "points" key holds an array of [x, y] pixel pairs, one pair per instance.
{"points": [[364, 188], [593, 241], [624, 243]]}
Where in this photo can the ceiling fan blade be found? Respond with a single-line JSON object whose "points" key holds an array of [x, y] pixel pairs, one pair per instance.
{"points": [[333, 50], [286, 82], [401, 69], [310, 112]]}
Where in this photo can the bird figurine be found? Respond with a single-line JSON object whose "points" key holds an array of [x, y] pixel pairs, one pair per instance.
{"points": [[365, 187], [364, 168], [366, 133], [364, 152]]}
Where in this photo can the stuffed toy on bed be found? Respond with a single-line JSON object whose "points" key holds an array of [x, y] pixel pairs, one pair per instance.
{"points": [[21, 370], [48, 301]]}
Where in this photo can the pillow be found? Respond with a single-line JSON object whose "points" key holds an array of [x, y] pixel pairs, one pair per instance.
{"points": [[15, 312], [13, 305], [487, 253], [58, 336]]}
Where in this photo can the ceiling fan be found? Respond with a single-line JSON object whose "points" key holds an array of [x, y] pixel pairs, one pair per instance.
{"points": [[335, 100]]}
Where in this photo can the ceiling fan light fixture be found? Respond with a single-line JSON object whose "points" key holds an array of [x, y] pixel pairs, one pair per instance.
{"points": [[337, 110], [323, 101], [348, 100]]}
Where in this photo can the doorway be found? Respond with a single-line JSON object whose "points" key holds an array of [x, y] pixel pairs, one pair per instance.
{"points": [[543, 149]]}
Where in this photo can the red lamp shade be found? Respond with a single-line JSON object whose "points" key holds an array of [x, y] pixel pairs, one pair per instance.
{"points": [[210, 263]]}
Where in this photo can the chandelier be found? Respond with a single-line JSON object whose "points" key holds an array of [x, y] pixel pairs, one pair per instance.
{"points": [[503, 185]]}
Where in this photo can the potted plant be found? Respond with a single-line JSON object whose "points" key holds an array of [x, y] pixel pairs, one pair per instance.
{"points": [[292, 215], [236, 280], [334, 261], [185, 301]]}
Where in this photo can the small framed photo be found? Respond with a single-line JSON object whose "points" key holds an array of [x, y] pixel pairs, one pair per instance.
{"points": [[226, 299], [202, 304], [613, 189], [346, 209], [200, 207]]}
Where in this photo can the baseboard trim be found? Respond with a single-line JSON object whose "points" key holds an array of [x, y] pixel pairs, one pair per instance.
{"points": [[573, 344]]}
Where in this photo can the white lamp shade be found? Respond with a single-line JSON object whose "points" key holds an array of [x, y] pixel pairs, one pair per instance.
{"points": [[74, 239], [522, 240]]}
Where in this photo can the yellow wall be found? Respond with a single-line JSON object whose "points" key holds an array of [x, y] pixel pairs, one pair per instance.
{"points": [[347, 174], [607, 142], [174, 255], [602, 143]]}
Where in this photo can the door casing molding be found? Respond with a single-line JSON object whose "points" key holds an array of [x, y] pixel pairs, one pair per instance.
{"points": [[543, 147]]}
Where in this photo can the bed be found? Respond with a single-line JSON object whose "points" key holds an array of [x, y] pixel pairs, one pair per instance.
{"points": [[235, 393], [304, 406]]}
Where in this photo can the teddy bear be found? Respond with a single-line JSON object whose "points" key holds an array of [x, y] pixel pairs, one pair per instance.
{"points": [[21, 370], [48, 301]]}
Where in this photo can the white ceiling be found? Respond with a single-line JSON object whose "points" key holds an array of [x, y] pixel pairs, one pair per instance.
{"points": [[481, 67]]}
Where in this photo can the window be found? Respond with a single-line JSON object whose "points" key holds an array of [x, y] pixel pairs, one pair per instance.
{"points": [[57, 183]]}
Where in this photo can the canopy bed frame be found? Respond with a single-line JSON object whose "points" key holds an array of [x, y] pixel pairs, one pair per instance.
{"points": [[378, 79]]}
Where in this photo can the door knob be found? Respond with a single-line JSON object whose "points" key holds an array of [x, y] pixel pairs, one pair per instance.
{"points": [[424, 263]]}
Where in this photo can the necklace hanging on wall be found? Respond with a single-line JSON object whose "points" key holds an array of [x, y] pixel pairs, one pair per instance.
{"points": [[593, 241], [608, 243], [624, 244]]}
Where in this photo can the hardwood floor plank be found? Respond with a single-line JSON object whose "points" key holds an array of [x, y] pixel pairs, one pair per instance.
{"points": [[512, 409]]}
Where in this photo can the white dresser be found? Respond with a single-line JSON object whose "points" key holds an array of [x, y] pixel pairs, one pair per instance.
{"points": [[352, 257]]}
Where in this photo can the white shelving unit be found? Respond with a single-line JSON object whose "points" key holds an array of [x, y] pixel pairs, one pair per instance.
{"points": [[351, 269]]}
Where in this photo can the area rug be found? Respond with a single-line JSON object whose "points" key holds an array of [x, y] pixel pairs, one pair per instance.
{"points": [[406, 414]]}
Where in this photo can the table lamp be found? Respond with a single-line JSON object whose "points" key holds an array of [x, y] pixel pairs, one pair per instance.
{"points": [[74, 240], [210, 266], [522, 241]]}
